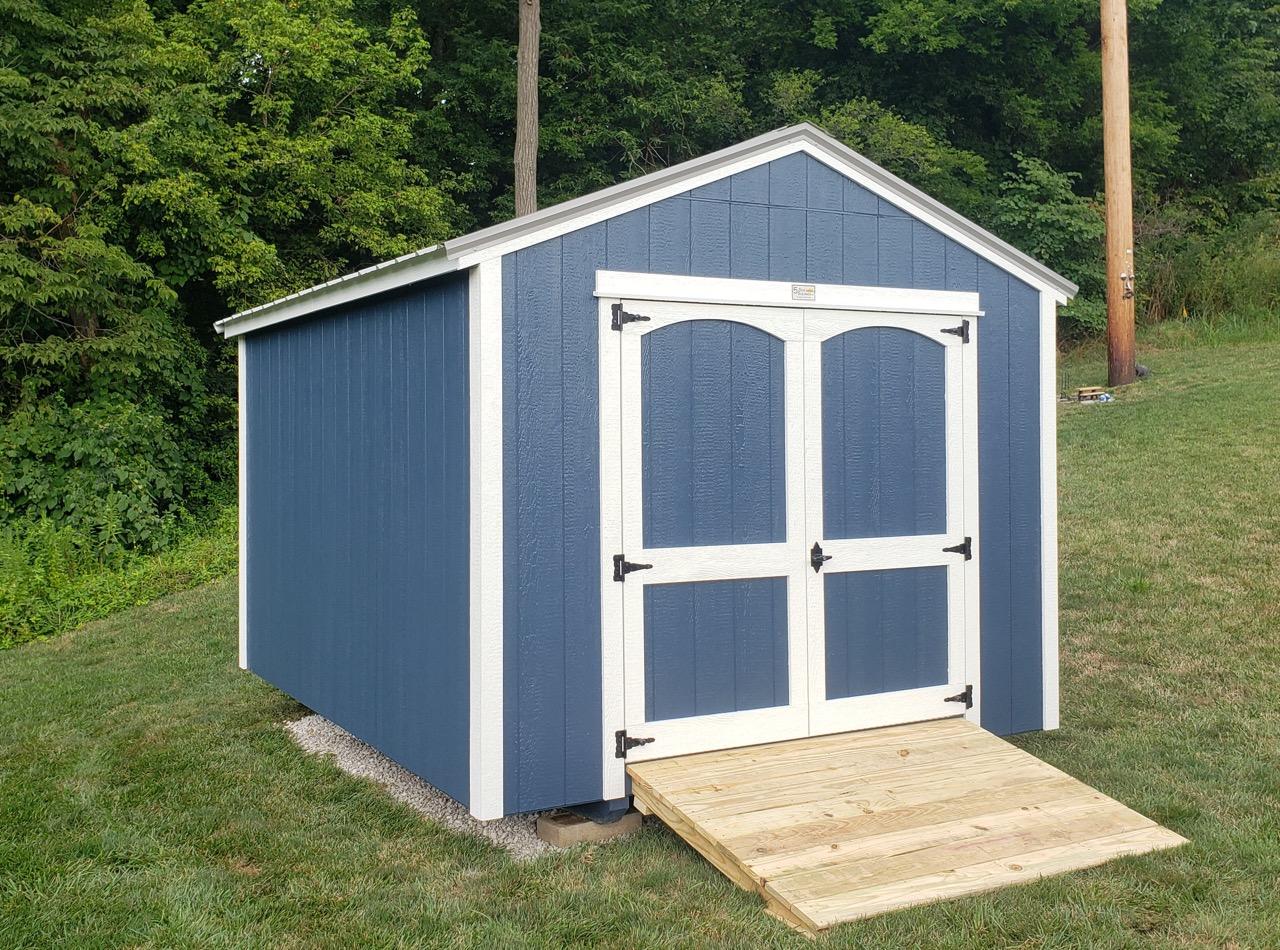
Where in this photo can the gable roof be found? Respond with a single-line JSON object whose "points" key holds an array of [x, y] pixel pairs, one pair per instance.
{"points": [[463, 252]]}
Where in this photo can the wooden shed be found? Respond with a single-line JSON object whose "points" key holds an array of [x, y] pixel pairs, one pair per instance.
{"points": [[754, 448]]}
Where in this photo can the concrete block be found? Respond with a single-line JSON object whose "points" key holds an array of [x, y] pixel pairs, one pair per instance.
{"points": [[565, 830]]}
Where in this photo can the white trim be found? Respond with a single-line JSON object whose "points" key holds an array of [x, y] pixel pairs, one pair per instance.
{"points": [[970, 526], [486, 608], [242, 383], [612, 678], [1049, 506], [627, 285], [420, 265]]}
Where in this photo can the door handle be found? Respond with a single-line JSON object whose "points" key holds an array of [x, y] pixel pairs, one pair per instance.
{"points": [[816, 557]]}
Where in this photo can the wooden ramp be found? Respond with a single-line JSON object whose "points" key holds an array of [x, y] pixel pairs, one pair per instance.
{"points": [[835, 828]]}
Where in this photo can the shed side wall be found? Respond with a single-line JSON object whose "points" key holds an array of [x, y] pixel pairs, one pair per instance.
{"points": [[793, 219], [358, 489]]}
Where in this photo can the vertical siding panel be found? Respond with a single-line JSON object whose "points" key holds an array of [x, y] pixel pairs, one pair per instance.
{"points": [[858, 200], [716, 190], [540, 504], [788, 181], [1026, 607], [748, 241], [825, 187], [928, 258], [709, 238], [824, 243], [667, 429], [584, 253], [751, 186], [962, 268], [787, 244], [994, 494], [671, 667], [895, 251], [861, 250], [628, 241], [517, 733], [669, 251], [711, 441]]}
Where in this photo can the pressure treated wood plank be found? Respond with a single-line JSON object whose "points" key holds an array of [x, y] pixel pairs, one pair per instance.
{"points": [[836, 828]]}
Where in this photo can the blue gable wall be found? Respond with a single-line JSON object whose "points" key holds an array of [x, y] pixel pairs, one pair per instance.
{"points": [[793, 219], [358, 493]]}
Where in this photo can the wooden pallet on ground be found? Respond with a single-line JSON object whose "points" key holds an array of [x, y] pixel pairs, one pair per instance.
{"points": [[835, 828]]}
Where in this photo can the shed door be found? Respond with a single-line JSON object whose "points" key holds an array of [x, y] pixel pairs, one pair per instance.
{"points": [[746, 435]]}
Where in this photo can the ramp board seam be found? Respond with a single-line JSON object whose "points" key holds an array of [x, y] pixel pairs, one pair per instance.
{"points": [[838, 828]]}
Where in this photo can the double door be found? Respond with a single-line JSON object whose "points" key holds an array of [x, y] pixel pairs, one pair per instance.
{"points": [[793, 508]]}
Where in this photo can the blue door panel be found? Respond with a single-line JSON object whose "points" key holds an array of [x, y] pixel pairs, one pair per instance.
{"points": [[715, 647], [886, 630], [712, 410], [883, 434]]}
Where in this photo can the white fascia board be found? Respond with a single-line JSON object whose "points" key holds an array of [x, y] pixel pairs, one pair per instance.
{"points": [[624, 285], [420, 265]]}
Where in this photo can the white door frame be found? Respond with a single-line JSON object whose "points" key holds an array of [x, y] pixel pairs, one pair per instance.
{"points": [[770, 305]]}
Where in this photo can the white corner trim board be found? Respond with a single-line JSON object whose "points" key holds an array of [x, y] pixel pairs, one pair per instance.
{"points": [[242, 385], [626, 285], [487, 778], [1049, 506]]}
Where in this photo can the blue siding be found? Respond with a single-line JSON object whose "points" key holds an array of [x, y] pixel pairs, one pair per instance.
{"points": [[896, 638], [715, 646], [884, 448], [550, 379], [358, 500], [713, 430]]}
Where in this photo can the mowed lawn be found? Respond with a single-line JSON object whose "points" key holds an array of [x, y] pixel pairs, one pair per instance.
{"points": [[149, 798]]}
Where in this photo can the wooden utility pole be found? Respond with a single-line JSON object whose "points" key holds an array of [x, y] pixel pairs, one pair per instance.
{"points": [[1121, 363], [526, 157]]}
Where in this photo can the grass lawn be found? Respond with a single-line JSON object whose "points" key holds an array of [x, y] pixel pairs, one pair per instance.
{"points": [[148, 797]]}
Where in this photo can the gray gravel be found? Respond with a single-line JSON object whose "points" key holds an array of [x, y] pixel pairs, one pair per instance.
{"points": [[318, 735]]}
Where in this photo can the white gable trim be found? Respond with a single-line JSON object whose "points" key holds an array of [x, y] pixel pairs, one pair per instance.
{"points": [[466, 251]]}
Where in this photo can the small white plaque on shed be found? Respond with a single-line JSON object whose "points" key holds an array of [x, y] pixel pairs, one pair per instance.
{"points": [[804, 292]]}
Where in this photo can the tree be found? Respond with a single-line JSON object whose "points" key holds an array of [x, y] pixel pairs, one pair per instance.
{"points": [[526, 156]]}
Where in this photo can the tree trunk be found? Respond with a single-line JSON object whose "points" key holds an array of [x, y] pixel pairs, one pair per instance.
{"points": [[526, 157], [1121, 363]]}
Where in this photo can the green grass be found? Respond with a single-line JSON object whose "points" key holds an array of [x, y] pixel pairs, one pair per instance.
{"points": [[148, 797]]}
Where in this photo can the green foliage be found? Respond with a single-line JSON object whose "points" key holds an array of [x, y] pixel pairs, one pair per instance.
{"points": [[952, 175], [106, 467], [1038, 212], [55, 577]]}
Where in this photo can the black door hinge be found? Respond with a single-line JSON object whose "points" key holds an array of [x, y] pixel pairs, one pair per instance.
{"points": [[625, 743], [966, 549], [621, 317], [961, 331], [622, 567], [966, 697]]}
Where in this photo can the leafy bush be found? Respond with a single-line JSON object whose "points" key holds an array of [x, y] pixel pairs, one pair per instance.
{"points": [[107, 469], [1039, 212], [55, 577]]}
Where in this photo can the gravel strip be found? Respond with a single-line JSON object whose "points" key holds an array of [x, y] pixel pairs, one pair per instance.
{"points": [[516, 833]]}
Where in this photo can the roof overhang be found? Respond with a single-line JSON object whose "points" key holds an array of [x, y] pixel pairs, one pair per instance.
{"points": [[463, 252]]}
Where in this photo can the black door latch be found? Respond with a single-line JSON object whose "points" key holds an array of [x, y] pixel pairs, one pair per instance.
{"points": [[816, 557]]}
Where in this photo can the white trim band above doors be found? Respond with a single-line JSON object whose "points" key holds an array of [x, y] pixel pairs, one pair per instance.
{"points": [[627, 285]]}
